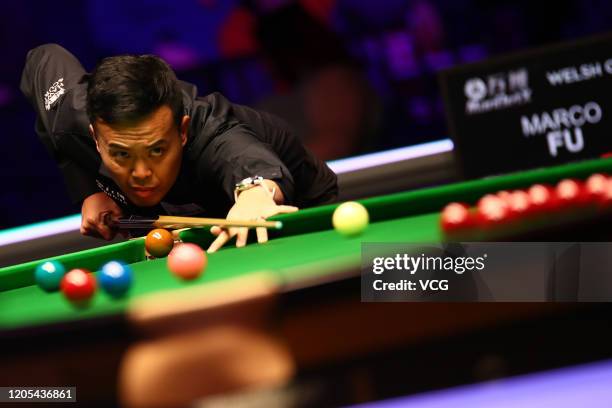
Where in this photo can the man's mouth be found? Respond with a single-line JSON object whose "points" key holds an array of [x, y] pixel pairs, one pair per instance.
{"points": [[143, 192]]}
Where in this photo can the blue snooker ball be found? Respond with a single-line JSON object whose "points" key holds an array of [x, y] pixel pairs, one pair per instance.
{"points": [[49, 274], [115, 278]]}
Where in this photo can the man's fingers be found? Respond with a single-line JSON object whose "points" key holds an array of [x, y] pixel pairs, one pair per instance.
{"points": [[262, 234], [105, 218], [98, 231], [284, 209], [88, 228], [219, 242], [98, 227], [216, 230], [106, 232], [104, 226], [83, 227], [241, 237], [90, 232]]}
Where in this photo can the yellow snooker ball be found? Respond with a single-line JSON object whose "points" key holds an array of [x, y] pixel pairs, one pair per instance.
{"points": [[350, 218]]}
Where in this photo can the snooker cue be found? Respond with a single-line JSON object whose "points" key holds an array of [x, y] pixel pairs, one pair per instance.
{"points": [[169, 221]]}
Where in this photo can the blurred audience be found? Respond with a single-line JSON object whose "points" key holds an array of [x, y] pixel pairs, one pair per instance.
{"points": [[320, 88]]}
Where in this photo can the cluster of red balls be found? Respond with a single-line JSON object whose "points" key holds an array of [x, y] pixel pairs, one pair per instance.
{"points": [[568, 195]]}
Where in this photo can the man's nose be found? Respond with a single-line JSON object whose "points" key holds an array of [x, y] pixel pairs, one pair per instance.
{"points": [[141, 170]]}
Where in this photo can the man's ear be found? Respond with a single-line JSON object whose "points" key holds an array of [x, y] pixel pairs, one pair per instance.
{"points": [[92, 133], [184, 129]]}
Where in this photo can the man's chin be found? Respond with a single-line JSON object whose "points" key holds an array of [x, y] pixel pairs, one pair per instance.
{"points": [[144, 201]]}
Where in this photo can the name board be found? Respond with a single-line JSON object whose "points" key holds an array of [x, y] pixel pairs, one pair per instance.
{"points": [[537, 108]]}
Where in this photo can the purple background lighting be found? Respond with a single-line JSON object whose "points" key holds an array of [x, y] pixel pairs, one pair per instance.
{"points": [[587, 385]]}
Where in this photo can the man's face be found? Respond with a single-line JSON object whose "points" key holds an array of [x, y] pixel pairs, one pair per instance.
{"points": [[144, 158]]}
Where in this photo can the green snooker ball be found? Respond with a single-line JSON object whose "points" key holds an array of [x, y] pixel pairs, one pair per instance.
{"points": [[350, 218], [49, 274]]}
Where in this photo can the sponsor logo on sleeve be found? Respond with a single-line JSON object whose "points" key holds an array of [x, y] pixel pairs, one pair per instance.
{"points": [[55, 91]]}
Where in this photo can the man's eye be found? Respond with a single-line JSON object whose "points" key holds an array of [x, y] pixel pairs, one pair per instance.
{"points": [[118, 154], [157, 151]]}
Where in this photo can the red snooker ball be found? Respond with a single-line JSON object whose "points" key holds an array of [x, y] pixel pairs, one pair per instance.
{"points": [[570, 193], [542, 198], [596, 186], [159, 242], [78, 285], [187, 261], [492, 210], [519, 203], [455, 216], [504, 195]]}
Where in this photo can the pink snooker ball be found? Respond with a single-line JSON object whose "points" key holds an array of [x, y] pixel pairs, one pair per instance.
{"points": [[187, 261]]}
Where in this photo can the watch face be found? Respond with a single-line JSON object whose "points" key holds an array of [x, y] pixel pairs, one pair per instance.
{"points": [[249, 182]]}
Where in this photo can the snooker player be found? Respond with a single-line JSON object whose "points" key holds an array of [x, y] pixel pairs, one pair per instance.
{"points": [[131, 139]]}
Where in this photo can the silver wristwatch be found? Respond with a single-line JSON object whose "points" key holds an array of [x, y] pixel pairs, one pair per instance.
{"points": [[248, 183]]}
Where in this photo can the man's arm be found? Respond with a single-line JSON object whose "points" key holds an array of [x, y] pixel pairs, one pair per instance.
{"points": [[230, 150], [52, 81]]}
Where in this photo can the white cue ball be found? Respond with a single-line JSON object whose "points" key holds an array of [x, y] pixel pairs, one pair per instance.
{"points": [[350, 218]]}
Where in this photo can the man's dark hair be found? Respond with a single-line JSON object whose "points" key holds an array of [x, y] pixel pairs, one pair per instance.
{"points": [[127, 88]]}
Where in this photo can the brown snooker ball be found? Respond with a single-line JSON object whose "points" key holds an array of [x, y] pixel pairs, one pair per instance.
{"points": [[159, 242]]}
